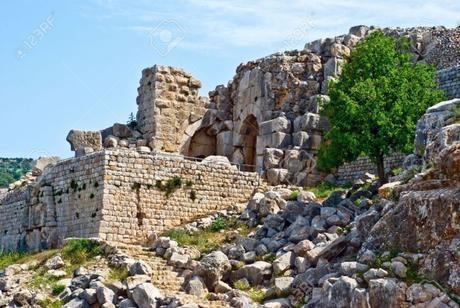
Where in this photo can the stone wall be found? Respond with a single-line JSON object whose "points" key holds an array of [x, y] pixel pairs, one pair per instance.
{"points": [[113, 195], [134, 206], [355, 170], [64, 202], [168, 103], [449, 81]]}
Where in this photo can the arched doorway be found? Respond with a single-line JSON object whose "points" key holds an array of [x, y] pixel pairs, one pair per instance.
{"points": [[249, 131], [202, 145]]}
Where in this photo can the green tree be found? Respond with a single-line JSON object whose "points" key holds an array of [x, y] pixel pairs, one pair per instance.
{"points": [[376, 102]]}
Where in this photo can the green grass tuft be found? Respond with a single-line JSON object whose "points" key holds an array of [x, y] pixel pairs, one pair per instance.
{"points": [[78, 252], [293, 195], [57, 289], [325, 189], [9, 258]]}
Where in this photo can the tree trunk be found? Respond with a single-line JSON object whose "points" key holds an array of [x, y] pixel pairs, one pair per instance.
{"points": [[381, 170]]}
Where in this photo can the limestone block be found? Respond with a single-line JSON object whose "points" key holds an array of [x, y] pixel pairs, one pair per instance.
{"points": [[277, 176], [339, 50], [224, 143], [272, 157], [315, 46], [359, 31], [84, 139], [280, 124], [310, 121], [300, 139], [332, 67], [121, 131]]}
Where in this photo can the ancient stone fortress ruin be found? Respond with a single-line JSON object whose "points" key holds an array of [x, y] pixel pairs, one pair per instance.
{"points": [[265, 124]]}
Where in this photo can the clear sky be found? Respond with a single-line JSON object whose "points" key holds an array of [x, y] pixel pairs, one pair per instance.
{"points": [[77, 64]]}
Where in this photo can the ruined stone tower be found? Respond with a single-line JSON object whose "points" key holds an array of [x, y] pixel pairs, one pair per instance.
{"points": [[168, 103]]}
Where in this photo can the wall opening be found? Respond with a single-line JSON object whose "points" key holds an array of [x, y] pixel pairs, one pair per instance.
{"points": [[249, 132], [202, 145]]}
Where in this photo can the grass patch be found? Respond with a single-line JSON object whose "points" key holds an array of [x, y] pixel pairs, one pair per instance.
{"points": [[49, 303], [379, 260], [57, 289], [325, 189], [117, 274], [42, 279], [257, 295], [293, 195], [270, 258], [204, 240], [242, 285], [80, 251], [208, 239], [8, 258]]}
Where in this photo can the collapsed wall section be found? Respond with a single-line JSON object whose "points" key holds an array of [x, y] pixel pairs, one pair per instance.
{"points": [[136, 198]]}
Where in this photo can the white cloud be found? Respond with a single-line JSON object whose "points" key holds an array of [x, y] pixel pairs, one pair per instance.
{"points": [[239, 23]]}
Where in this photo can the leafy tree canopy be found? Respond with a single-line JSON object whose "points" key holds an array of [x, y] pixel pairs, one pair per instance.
{"points": [[376, 102]]}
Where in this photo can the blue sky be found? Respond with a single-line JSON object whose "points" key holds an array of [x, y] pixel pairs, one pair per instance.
{"points": [[77, 64]]}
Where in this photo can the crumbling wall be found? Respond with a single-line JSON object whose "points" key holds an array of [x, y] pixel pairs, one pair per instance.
{"points": [[115, 195], [134, 205], [168, 103], [64, 202]]}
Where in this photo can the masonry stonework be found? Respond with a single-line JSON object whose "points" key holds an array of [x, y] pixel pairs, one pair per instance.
{"points": [[168, 103], [112, 195], [449, 81]]}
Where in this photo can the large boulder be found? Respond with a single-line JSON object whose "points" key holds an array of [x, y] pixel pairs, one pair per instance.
{"points": [[340, 294], [213, 267], [430, 124], [255, 273], [425, 221], [146, 295], [387, 293]]}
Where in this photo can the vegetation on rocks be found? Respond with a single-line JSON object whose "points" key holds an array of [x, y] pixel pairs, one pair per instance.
{"points": [[324, 189], [376, 103]]}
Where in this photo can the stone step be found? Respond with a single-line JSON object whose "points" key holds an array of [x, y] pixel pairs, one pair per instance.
{"points": [[166, 279]]}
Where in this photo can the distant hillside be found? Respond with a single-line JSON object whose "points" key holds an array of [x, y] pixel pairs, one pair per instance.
{"points": [[12, 169]]}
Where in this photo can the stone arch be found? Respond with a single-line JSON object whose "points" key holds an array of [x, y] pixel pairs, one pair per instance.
{"points": [[201, 144], [249, 132]]}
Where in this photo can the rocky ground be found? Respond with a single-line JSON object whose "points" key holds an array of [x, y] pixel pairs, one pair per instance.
{"points": [[364, 246]]}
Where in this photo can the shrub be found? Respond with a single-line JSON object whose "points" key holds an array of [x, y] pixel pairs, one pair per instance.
{"points": [[170, 186], [257, 295], [132, 122], [218, 224]]}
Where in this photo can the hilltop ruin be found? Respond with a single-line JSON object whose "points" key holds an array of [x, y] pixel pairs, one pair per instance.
{"points": [[265, 125]]}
